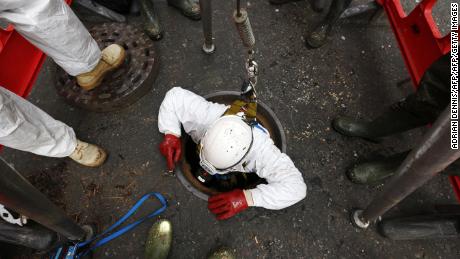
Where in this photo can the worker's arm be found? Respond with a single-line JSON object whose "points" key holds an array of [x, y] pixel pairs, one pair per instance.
{"points": [[181, 106], [285, 182]]}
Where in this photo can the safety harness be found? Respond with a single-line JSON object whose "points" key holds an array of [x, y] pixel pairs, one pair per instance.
{"points": [[249, 110], [246, 106]]}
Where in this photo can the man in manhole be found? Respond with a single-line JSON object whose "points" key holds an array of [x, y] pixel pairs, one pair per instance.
{"points": [[228, 143]]}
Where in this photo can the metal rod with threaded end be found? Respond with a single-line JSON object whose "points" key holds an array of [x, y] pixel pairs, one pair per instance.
{"points": [[206, 17], [238, 8]]}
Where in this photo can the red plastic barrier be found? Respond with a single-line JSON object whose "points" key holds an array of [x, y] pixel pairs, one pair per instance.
{"points": [[20, 62], [455, 181], [420, 42], [419, 39]]}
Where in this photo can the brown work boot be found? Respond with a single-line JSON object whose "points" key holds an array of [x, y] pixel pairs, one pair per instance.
{"points": [[112, 57], [88, 154]]}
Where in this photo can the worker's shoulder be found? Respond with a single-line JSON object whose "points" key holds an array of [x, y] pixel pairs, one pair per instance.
{"points": [[261, 136], [179, 90], [175, 89]]}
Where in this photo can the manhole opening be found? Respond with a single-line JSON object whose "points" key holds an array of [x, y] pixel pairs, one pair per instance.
{"points": [[234, 180], [219, 183]]}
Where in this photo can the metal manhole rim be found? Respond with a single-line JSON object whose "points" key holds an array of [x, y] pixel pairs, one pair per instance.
{"points": [[179, 169], [266, 108]]}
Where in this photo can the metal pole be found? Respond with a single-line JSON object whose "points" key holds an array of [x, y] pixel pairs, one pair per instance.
{"points": [[206, 17], [430, 157], [19, 195], [34, 236]]}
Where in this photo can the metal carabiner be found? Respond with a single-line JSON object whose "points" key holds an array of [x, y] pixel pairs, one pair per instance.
{"points": [[8, 217]]}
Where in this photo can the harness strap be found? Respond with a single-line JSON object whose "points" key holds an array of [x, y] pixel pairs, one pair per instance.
{"points": [[248, 108], [105, 237], [127, 228]]}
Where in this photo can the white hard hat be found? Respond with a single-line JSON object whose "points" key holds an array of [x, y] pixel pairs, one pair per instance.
{"points": [[225, 144]]}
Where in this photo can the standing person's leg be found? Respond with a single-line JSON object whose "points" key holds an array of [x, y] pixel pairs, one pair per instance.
{"points": [[189, 8], [152, 27], [318, 36], [418, 109], [151, 22], [318, 5], [374, 171], [25, 127], [54, 28]]}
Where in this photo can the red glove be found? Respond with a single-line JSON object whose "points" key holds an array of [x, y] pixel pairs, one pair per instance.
{"points": [[227, 204], [171, 148]]}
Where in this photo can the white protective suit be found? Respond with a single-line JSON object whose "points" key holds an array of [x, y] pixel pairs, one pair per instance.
{"points": [[53, 27], [285, 183], [25, 127]]}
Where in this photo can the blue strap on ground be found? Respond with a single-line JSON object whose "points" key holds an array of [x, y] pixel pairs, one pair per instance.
{"points": [[58, 253], [103, 239]]}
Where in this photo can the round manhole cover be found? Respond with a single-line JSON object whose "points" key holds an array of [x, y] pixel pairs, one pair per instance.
{"points": [[125, 85]]}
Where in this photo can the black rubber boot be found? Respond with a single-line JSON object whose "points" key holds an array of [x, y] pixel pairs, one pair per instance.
{"points": [[280, 2], [418, 109], [151, 22], [420, 227], [393, 121], [318, 5], [373, 172], [319, 35], [189, 8]]}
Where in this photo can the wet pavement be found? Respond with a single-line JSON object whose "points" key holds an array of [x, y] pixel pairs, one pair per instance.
{"points": [[356, 73]]}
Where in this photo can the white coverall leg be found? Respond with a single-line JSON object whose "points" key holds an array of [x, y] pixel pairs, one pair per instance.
{"points": [[25, 127], [54, 28]]}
